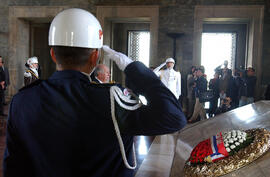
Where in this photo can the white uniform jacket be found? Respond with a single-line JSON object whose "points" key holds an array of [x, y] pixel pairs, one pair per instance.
{"points": [[171, 79]]}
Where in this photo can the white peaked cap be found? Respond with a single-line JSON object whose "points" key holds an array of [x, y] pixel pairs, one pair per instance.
{"points": [[170, 60], [32, 60]]}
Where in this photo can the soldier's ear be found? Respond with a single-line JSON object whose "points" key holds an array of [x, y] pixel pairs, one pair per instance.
{"points": [[94, 58], [53, 55]]}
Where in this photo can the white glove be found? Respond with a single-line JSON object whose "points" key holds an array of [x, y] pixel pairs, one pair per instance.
{"points": [[27, 74], [159, 67], [120, 59]]}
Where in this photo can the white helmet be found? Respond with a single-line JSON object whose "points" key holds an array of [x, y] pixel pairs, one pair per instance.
{"points": [[75, 28], [32, 60], [170, 60]]}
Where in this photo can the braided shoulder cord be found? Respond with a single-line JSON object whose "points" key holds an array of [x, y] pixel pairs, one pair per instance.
{"points": [[115, 93]]}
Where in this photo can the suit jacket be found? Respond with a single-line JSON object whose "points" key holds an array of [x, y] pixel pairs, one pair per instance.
{"points": [[62, 127], [95, 80], [201, 86], [2, 77], [7, 81]]}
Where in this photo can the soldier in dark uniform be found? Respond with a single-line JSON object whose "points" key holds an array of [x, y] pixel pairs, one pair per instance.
{"points": [[71, 128], [31, 74]]}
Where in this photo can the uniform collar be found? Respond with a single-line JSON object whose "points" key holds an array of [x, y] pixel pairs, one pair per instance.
{"points": [[170, 70], [69, 74], [35, 71]]}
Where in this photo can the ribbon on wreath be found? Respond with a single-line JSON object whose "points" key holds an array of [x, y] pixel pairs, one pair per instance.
{"points": [[209, 150]]}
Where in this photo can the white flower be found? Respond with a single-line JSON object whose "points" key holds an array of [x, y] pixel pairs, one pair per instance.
{"points": [[241, 140], [226, 145], [229, 136], [239, 137], [228, 149], [230, 140], [237, 143], [232, 146], [244, 138], [235, 139]]}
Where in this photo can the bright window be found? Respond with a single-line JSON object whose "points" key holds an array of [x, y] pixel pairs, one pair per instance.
{"points": [[216, 48], [139, 46]]}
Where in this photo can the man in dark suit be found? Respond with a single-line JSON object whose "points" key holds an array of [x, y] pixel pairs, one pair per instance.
{"points": [[7, 81], [101, 74], [2, 87], [66, 127]]}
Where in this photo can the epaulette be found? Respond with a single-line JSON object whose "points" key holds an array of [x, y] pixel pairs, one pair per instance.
{"points": [[30, 71], [36, 82], [103, 85]]}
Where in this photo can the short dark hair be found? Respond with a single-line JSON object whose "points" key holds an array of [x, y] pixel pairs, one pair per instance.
{"points": [[201, 68], [192, 68], [71, 56]]}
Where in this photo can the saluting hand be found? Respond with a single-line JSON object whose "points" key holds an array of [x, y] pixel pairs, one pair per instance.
{"points": [[120, 59]]}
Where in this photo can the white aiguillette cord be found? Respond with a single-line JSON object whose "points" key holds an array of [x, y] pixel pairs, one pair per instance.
{"points": [[115, 93]]}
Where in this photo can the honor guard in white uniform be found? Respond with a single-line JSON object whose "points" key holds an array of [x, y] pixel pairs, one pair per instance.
{"points": [[31, 74], [170, 78]]}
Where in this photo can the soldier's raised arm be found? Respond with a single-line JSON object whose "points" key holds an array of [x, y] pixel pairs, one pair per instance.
{"points": [[162, 114]]}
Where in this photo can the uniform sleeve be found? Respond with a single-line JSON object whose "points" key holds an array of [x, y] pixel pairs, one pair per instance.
{"points": [[15, 162], [162, 114], [158, 73], [157, 69]]}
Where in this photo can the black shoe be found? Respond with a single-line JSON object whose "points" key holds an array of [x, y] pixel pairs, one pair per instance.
{"points": [[2, 114]]}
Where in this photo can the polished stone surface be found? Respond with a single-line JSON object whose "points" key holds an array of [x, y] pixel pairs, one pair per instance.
{"points": [[159, 160], [255, 115]]}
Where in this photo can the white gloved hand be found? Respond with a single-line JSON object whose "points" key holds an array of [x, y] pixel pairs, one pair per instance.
{"points": [[120, 59], [159, 67]]}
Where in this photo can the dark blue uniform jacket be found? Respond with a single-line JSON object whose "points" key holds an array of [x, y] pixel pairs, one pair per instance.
{"points": [[62, 127]]}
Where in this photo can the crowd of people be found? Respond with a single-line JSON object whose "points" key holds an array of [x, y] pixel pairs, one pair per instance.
{"points": [[229, 90]]}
